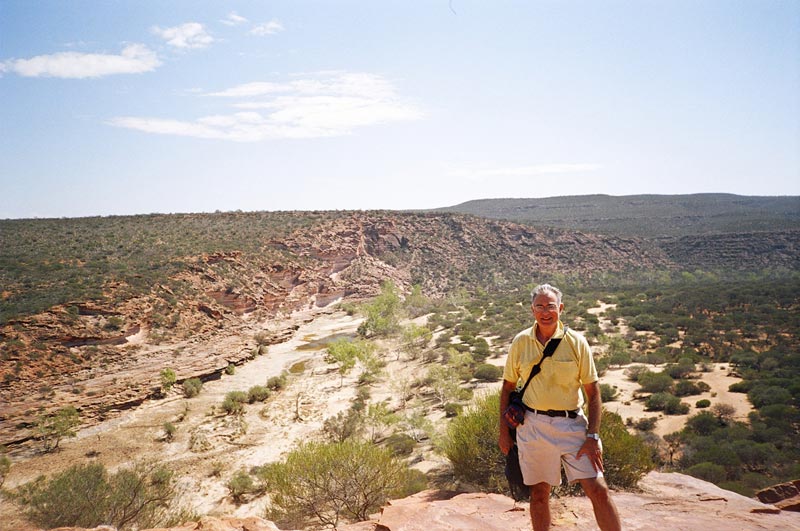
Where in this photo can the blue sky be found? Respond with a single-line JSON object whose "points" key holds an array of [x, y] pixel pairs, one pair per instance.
{"points": [[140, 106]]}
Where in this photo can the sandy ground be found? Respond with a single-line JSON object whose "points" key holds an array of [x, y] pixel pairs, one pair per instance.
{"points": [[630, 405]]}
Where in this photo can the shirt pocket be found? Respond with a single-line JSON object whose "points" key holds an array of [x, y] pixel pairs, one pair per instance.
{"points": [[565, 374]]}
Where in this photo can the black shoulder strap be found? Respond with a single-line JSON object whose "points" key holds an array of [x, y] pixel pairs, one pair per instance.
{"points": [[551, 347]]}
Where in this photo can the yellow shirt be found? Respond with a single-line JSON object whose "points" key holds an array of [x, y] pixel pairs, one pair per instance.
{"points": [[562, 375]]}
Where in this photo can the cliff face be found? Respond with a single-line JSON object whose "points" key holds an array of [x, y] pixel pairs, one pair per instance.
{"points": [[105, 355], [667, 501]]}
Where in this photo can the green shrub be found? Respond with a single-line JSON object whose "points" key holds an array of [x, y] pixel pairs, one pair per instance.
{"points": [[401, 444], [488, 372], [230, 369], [168, 379], [192, 387], [87, 496], [626, 457], [326, 483], [257, 393], [674, 406], [239, 485], [607, 393], [345, 425], [234, 402], [471, 445], [276, 383], [655, 382], [52, 428], [169, 431], [710, 472], [702, 403], [646, 424]]}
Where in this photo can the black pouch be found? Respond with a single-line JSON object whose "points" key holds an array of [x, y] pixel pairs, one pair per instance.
{"points": [[514, 414], [519, 491]]}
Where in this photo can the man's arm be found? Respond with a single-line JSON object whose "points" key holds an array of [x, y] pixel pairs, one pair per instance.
{"points": [[505, 441], [591, 447]]}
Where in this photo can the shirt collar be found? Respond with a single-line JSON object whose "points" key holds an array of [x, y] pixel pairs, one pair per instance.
{"points": [[558, 333]]}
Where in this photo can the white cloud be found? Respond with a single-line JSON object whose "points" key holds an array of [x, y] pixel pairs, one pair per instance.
{"points": [[233, 19], [267, 28], [333, 104], [133, 59], [474, 174], [189, 35]]}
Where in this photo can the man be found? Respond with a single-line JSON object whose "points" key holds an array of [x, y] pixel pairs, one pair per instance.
{"points": [[555, 431]]}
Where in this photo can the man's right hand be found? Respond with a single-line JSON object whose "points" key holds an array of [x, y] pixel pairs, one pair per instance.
{"points": [[505, 442]]}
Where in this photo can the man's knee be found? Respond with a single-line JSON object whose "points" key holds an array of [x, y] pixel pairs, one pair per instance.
{"points": [[540, 493], [595, 488]]}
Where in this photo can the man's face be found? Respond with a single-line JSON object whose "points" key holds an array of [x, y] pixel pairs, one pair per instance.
{"points": [[546, 309]]}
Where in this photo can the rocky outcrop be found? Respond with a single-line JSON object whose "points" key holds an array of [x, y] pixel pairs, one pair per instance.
{"points": [[785, 496], [667, 501]]}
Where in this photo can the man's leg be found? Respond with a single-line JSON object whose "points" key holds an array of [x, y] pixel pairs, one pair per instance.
{"points": [[540, 506], [605, 512]]}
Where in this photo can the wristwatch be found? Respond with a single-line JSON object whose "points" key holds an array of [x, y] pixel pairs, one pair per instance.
{"points": [[595, 436]]}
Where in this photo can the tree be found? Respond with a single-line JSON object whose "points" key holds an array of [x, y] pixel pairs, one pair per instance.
{"points": [[414, 339], [381, 313], [329, 482], [655, 382], [377, 418], [52, 428], [345, 354], [168, 379]]}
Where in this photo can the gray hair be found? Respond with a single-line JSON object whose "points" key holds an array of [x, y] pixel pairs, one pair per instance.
{"points": [[545, 288]]}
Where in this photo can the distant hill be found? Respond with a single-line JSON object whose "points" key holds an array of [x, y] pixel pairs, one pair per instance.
{"points": [[646, 216], [699, 231]]}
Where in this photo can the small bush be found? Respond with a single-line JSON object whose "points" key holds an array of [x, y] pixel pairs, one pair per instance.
{"points": [[452, 409], [401, 444], [607, 393], [239, 485], [488, 372], [234, 402], [704, 403], [230, 369], [471, 445], [192, 387], [325, 483], [52, 428], [646, 424], [168, 379], [169, 431], [257, 393], [276, 383], [87, 496]]}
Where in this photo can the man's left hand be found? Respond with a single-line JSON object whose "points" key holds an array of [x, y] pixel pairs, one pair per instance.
{"points": [[591, 448]]}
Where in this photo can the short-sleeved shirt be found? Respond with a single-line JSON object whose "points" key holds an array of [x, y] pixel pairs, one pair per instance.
{"points": [[562, 375]]}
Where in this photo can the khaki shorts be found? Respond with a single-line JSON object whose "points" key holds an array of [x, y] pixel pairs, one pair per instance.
{"points": [[545, 443]]}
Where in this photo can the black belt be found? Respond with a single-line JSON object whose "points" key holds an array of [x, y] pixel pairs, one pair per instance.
{"points": [[571, 413]]}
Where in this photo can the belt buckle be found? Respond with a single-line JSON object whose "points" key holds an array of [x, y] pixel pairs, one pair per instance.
{"points": [[553, 413]]}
